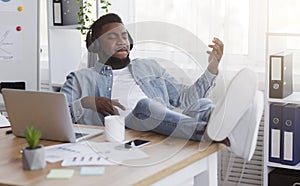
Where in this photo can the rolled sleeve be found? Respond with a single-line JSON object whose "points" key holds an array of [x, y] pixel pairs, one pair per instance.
{"points": [[210, 77]]}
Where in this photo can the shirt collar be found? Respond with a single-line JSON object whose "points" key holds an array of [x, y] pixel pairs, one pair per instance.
{"points": [[101, 68]]}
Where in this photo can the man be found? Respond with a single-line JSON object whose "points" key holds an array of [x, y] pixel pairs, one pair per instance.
{"points": [[146, 94]]}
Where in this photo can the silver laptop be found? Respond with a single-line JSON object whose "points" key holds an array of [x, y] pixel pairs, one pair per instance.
{"points": [[46, 111]]}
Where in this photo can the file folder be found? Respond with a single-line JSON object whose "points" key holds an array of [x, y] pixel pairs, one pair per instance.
{"points": [[284, 177], [65, 12], [281, 75], [57, 12], [275, 131], [70, 11], [290, 135]]}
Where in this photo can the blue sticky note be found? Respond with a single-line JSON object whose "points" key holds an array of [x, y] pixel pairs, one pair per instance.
{"points": [[60, 174], [92, 171]]}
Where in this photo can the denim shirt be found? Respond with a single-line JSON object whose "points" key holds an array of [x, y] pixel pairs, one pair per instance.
{"points": [[153, 80]]}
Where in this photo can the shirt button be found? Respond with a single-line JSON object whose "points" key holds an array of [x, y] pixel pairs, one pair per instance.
{"points": [[110, 75], [109, 89]]}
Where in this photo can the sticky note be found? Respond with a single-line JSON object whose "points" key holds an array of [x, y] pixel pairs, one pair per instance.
{"points": [[60, 174], [92, 171]]}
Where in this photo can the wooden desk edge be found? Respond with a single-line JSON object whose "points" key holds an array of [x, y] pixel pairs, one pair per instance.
{"points": [[169, 170], [182, 164]]}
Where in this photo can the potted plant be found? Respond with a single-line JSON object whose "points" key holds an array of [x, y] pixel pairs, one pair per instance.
{"points": [[33, 155], [85, 18]]}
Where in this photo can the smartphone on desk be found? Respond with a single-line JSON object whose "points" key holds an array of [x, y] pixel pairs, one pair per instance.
{"points": [[137, 143]]}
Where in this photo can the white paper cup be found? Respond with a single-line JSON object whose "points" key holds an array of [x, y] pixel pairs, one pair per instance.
{"points": [[114, 128]]}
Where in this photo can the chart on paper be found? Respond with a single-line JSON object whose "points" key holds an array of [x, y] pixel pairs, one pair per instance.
{"points": [[9, 42]]}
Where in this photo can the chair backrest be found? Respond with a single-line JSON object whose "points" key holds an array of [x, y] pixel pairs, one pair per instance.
{"points": [[13, 85]]}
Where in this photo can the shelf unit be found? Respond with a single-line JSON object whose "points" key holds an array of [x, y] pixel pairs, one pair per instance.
{"points": [[278, 40], [65, 49], [293, 98]]}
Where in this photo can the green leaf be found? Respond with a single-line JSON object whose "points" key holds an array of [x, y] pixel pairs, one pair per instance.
{"points": [[85, 11], [32, 136]]}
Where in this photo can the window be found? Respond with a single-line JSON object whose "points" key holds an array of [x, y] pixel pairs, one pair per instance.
{"points": [[228, 20]]}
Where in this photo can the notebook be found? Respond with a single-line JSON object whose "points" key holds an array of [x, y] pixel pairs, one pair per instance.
{"points": [[46, 111]]}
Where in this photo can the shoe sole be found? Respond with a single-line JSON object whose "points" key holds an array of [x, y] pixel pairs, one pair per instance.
{"points": [[252, 122], [238, 98], [258, 114]]}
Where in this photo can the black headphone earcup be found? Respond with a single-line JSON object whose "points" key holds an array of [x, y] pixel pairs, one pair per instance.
{"points": [[92, 44], [130, 41]]}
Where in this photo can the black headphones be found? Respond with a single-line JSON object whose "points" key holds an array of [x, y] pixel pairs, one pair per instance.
{"points": [[93, 45]]}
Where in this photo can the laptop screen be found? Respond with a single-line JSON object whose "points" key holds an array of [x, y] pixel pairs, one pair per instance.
{"points": [[46, 111]]}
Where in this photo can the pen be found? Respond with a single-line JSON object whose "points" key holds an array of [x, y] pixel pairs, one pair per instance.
{"points": [[8, 132]]}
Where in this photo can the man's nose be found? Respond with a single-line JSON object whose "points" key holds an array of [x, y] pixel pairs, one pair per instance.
{"points": [[121, 41]]}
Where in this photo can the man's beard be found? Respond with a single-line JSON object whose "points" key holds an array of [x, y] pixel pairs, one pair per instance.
{"points": [[117, 63]]}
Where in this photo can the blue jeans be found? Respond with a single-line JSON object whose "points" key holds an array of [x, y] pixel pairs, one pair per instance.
{"points": [[150, 115]]}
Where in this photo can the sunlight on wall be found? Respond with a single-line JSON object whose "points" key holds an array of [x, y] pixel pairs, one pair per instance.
{"points": [[284, 16]]}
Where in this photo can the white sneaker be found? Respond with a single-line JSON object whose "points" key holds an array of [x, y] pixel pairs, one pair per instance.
{"points": [[243, 138], [238, 98]]}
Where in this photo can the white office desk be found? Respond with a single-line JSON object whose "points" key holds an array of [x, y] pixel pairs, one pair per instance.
{"points": [[177, 163]]}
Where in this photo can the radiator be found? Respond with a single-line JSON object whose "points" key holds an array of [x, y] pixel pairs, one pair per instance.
{"points": [[235, 171]]}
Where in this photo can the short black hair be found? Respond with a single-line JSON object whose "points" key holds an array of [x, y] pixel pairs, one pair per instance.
{"points": [[103, 20]]}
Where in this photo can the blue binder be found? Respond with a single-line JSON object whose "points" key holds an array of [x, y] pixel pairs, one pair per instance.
{"points": [[290, 135], [275, 121]]}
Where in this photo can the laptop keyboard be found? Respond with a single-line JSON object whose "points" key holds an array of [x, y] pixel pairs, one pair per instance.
{"points": [[78, 134]]}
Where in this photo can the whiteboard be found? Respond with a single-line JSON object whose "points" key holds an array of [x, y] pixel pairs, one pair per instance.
{"points": [[19, 42]]}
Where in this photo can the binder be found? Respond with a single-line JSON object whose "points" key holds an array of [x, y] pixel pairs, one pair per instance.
{"points": [[281, 77], [65, 12], [70, 11], [57, 12], [290, 135], [284, 177], [275, 131]]}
